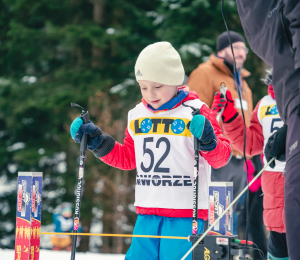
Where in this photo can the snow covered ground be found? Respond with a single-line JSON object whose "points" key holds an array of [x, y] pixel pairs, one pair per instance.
{"points": [[6, 254]]}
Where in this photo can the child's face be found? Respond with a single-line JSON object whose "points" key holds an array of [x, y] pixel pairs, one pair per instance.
{"points": [[157, 94]]}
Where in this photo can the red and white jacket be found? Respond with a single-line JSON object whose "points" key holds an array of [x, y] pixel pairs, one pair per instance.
{"points": [[264, 122], [160, 146]]}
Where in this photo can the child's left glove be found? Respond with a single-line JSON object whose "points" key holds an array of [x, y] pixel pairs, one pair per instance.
{"points": [[201, 128], [94, 133]]}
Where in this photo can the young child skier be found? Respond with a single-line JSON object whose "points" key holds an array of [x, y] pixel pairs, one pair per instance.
{"points": [[159, 144], [264, 122]]}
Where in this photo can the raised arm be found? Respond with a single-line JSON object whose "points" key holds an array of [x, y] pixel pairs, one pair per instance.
{"points": [[233, 125], [234, 130]]}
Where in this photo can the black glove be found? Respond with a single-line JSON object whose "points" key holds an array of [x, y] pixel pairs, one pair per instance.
{"points": [[94, 133], [275, 147]]}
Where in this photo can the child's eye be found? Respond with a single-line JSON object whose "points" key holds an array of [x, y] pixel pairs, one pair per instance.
{"points": [[158, 87]]}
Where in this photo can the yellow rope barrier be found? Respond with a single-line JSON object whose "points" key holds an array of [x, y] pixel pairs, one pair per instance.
{"points": [[109, 235]]}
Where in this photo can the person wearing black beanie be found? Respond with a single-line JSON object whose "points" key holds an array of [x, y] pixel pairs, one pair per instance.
{"points": [[223, 41], [239, 48]]}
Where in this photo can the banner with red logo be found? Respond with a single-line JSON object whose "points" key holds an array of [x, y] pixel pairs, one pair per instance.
{"points": [[220, 196], [28, 220], [37, 182]]}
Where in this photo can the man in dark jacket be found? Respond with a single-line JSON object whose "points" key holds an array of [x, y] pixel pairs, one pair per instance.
{"points": [[272, 29]]}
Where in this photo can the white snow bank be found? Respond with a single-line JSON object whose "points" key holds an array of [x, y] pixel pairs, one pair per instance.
{"points": [[62, 255]]}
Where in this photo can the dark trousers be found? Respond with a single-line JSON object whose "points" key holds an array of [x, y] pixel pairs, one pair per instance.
{"points": [[277, 245], [292, 186]]}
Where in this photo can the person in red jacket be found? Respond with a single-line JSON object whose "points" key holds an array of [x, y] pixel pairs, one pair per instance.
{"points": [[159, 143], [264, 122]]}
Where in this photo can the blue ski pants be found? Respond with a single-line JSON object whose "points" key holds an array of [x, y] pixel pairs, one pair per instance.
{"points": [[161, 249]]}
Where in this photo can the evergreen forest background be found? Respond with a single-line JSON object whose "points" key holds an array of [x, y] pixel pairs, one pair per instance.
{"points": [[55, 52]]}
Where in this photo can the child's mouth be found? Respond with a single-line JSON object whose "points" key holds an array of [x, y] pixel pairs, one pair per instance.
{"points": [[155, 101]]}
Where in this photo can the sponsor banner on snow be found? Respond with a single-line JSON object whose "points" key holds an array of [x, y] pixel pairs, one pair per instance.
{"points": [[220, 196], [37, 183], [28, 217]]}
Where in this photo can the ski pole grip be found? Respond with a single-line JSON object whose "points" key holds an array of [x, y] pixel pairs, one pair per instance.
{"points": [[223, 89], [85, 118]]}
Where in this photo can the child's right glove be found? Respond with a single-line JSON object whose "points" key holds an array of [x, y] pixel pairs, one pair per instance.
{"points": [[98, 143], [201, 128], [227, 103], [77, 129]]}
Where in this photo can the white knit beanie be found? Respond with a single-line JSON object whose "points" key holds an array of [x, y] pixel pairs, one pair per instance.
{"points": [[161, 63]]}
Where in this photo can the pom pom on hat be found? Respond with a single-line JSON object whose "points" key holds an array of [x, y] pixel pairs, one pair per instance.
{"points": [[161, 63]]}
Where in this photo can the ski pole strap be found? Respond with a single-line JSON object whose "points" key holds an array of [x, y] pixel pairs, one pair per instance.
{"points": [[229, 206]]}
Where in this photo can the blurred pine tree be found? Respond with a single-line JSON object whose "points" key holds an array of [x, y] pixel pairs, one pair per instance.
{"points": [[57, 52], [54, 53]]}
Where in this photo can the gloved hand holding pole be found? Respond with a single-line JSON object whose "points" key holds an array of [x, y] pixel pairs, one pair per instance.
{"points": [[223, 105]]}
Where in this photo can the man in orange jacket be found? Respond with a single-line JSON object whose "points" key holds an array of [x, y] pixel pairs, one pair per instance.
{"points": [[206, 80]]}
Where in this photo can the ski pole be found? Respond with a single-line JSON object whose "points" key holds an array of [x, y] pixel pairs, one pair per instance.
{"points": [[223, 89], [195, 187], [83, 146], [196, 174], [229, 206]]}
